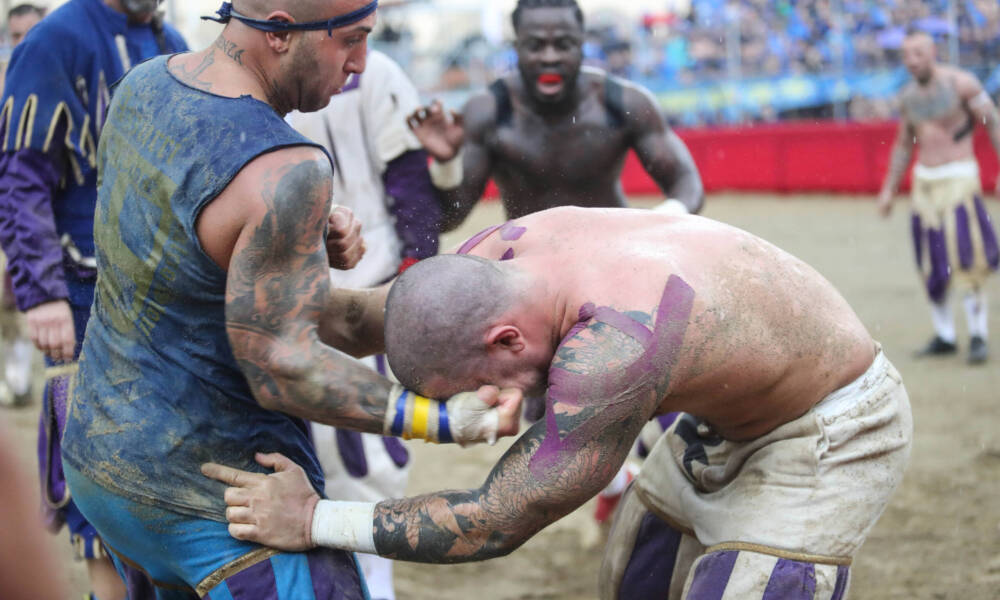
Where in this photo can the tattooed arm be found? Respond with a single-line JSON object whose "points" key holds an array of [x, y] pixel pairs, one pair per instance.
{"points": [[899, 162], [662, 153], [354, 321], [597, 406], [278, 288], [981, 106]]}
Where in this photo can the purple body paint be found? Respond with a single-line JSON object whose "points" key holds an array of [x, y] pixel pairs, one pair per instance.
{"points": [[649, 373], [508, 233]]}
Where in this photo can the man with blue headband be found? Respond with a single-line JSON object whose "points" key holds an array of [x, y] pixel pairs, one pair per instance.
{"points": [[213, 311]]}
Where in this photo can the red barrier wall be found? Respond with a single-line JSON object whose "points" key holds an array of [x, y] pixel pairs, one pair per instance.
{"points": [[794, 157]]}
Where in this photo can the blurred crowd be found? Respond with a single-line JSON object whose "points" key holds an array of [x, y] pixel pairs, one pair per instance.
{"points": [[753, 40]]}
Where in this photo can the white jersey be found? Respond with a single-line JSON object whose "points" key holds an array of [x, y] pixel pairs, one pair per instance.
{"points": [[364, 128]]}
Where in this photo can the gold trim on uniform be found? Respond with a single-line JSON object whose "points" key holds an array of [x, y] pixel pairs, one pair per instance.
{"points": [[5, 116], [818, 559], [26, 126], [232, 568]]}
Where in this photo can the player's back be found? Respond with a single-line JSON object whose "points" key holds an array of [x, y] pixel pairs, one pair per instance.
{"points": [[158, 390], [766, 335]]}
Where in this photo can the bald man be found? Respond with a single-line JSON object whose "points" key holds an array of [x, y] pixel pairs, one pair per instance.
{"points": [[795, 428], [956, 245], [213, 305]]}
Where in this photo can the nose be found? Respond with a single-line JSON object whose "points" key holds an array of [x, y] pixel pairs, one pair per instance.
{"points": [[550, 55], [358, 60]]}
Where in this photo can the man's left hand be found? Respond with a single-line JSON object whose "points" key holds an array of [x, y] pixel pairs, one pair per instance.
{"points": [[344, 243], [275, 510]]}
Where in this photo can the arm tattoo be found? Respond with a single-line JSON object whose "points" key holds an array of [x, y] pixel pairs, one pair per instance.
{"points": [[605, 382], [277, 288]]}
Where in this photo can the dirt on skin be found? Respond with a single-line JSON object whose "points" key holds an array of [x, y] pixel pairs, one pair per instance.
{"points": [[939, 539]]}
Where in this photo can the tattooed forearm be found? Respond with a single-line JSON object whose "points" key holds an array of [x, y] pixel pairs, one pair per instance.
{"points": [[277, 288], [230, 49]]}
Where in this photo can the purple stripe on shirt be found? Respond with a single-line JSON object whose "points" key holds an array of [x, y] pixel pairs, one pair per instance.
{"points": [[414, 204], [397, 451], [843, 577], [988, 233], [352, 452], [29, 180], [963, 237], [256, 582], [711, 576], [791, 580], [651, 566]]}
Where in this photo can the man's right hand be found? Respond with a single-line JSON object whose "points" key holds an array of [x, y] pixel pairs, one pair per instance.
{"points": [[50, 327], [485, 415], [884, 203], [441, 132]]}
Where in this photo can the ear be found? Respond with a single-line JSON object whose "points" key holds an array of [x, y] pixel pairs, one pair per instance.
{"points": [[504, 338], [279, 42]]}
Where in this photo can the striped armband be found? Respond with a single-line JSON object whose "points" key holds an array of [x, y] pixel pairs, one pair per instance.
{"points": [[411, 416], [447, 175]]}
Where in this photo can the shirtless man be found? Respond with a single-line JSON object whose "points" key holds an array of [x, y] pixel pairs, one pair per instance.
{"points": [[795, 428], [553, 133], [952, 231]]}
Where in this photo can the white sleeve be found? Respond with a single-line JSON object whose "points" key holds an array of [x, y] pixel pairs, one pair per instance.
{"points": [[389, 97]]}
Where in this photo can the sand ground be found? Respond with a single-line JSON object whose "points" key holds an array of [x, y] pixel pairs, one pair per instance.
{"points": [[938, 540]]}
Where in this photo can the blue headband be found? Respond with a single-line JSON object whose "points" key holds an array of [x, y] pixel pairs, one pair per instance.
{"points": [[226, 13]]}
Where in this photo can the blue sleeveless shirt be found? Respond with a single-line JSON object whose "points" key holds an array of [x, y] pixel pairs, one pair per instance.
{"points": [[158, 391]]}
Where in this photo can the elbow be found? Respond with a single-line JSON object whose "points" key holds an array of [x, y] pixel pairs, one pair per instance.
{"points": [[272, 379]]}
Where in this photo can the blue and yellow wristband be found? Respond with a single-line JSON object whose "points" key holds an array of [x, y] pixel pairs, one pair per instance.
{"points": [[412, 416]]}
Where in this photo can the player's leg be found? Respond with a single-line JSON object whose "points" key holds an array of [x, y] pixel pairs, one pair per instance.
{"points": [[645, 557], [931, 252]]}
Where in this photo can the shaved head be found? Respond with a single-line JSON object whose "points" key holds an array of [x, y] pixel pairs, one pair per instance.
{"points": [[438, 313], [301, 10]]}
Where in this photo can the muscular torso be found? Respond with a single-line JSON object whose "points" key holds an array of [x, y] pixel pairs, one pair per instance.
{"points": [[938, 115], [766, 336], [541, 162]]}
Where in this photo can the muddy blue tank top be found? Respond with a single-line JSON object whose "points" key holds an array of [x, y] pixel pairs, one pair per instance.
{"points": [[158, 391]]}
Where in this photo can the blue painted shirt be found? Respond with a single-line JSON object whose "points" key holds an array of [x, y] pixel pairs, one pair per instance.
{"points": [[158, 391]]}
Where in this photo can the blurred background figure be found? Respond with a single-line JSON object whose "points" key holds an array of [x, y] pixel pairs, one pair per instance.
{"points": [[17, 351], [56, 94], [380, 173], [954, 238], [20, 19]]}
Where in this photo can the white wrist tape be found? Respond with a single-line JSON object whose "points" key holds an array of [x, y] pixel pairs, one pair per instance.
{"points": [[672, 207], [344, 525], [472, 421], [464, 418], [447, 175]]}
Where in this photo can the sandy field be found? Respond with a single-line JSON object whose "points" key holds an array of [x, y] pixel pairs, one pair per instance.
{"points": [[940, 537]]}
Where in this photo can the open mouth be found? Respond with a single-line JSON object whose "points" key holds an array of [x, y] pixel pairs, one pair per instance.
{"points": [[550, 83]]}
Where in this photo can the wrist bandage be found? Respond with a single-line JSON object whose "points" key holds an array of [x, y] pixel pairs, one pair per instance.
{"points": [[344, 525], [447, 175], [464, 418], [672, 207]]}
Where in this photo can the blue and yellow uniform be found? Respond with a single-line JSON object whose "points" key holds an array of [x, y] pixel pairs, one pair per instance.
{"points": [[158, 391]]}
